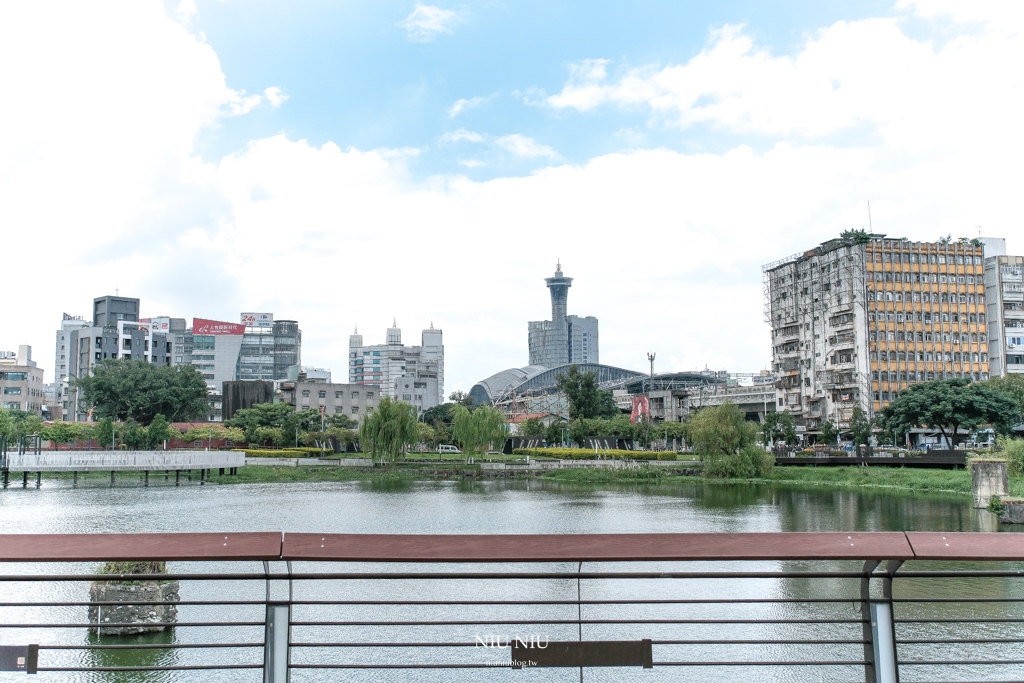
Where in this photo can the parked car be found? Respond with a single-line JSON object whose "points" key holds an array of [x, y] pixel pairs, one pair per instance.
{"points": [[448, 448]]}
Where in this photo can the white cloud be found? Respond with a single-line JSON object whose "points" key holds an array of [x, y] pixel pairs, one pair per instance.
{"points": [[187, 10], [461, 135], [275, 96], [850, 77], [426, 22], [239, 104], [522, 146], [462, 105], [110, 193], [516, 144]]}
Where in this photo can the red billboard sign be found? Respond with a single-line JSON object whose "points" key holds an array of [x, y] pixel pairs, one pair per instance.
{"points": [[203, 326], [641, 409]]}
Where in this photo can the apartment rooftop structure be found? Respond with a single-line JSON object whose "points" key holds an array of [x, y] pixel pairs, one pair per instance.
{"points": [[858, 319]]}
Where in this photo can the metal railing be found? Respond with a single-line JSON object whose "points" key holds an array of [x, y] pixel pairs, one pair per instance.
{"points": [[774, 606]]}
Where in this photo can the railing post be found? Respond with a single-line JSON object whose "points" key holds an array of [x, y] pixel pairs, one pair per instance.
{"points": [[883, 640], [278, 635], [879, 626]]}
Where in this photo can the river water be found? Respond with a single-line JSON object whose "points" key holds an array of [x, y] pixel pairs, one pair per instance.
{"points": [[498, 507]]}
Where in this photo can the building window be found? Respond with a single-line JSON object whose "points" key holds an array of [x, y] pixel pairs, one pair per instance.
{"points": [[369, 395], [322, 394], [305, 393], [355, 409], [406, 397], [12, 390]]}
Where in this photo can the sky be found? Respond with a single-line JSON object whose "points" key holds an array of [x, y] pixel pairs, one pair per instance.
{"points": [[354, 163]]}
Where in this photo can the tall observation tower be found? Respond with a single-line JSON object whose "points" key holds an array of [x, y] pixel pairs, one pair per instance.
{"points": [[559, 286], [565, 338]]}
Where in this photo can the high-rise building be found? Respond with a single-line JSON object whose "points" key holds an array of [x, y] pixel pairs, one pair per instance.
{"points": [[269, 347], [62, 359], [413, 374], [21, 382], [1004, 292], [565, 338], [116, 332], [856, 320]]}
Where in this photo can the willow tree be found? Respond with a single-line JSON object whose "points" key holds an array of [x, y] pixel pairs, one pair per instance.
{"points": [[478, 429], [387, 431]]}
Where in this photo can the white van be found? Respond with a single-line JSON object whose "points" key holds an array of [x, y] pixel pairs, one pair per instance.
{"points": [[447, 448]]}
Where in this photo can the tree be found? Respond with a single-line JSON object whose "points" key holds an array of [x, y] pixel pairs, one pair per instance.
{"points": [[855, 236], [444, 413], [133, 435], [949, 405], [720, 430], [341, 421], [427, 435], [1012, 386], [860, 427], [387, 431], [104, 433], [461, 398], [158, 431], [15, 424], [137, 390], [828, 433], [727, 443], [65, 432], [532, 426], [480, 429], [261, 415], [778, 427], [297, 423], [580, 388]]}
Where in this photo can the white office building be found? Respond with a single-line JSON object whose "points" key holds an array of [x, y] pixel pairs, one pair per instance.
{"points": [[413, 374]]}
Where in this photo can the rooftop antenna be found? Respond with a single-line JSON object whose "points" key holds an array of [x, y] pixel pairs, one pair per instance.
{"points": [[871, 228], [117, 292]]}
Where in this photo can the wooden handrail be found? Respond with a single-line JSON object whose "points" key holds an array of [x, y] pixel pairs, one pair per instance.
{"points": [[272, 546]]}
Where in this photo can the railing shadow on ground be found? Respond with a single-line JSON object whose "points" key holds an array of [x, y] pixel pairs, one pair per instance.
{"points": [[874, 606]]}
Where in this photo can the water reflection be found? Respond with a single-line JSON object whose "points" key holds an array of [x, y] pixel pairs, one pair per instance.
{"points": [[131, 651], [397, 505]]}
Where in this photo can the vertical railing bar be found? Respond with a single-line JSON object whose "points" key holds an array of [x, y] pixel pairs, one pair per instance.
{"points": [[865, 608], [288, 639], [579, 608], [890, 570]]}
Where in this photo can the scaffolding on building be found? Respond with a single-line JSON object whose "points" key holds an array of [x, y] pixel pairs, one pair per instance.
{"points": [[826, 298]]}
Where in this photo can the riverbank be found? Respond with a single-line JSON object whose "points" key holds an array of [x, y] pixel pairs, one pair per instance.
{"points": [[895, 479]]}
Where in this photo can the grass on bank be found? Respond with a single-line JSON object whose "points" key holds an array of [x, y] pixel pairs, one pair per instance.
{"points": [[892, 478]]}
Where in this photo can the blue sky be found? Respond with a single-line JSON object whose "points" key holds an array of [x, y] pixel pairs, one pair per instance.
{"points": [[354, 75], [353, 163]]}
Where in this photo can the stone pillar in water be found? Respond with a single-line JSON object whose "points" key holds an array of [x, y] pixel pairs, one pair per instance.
{"points": [[988, 478], [135, 606]]}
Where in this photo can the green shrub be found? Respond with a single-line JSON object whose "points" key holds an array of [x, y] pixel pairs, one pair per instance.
{"points": [[1013, 450], [586, 454], [280, 453], [750, 463], [995, 505]]}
